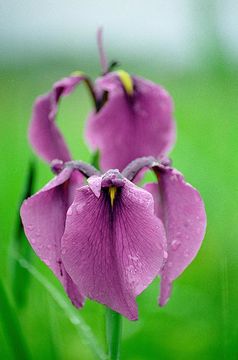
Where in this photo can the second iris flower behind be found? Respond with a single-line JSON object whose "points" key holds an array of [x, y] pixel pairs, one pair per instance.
{"points": [[132, 118]]}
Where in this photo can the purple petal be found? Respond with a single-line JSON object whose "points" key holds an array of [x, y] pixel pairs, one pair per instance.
{"points": [[44, 136], [43, 216], [181, 208], [158, 205], [113, 253], [128, 127], [95, 183]]}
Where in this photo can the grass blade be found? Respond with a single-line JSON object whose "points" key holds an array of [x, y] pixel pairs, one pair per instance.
{"points": [[19, 245], [12, 328], [83, 329]]}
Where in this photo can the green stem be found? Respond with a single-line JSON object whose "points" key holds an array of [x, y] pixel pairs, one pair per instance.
{"points": [[113, 333]]}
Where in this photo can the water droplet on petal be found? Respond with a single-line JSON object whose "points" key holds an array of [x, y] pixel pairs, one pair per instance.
{"points": [[175, 244], [186, 253], [70, 211], [79, 208], [165, 255], [134, 258]]}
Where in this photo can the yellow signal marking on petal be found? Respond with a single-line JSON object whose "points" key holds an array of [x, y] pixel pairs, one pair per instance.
{"points": [[77, 73], [112, 193], [126, 81]]}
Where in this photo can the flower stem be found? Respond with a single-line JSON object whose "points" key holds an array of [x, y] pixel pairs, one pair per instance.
{"points": [[113, 333]]}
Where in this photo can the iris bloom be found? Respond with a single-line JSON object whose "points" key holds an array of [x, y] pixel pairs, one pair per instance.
{"points": [[135, 121], [109, 239], [132, 118]]}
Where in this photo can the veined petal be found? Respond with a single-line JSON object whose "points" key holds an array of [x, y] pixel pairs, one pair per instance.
{"points": [[131, 125], [153, 188], [182, 211], [44, 135], [113, 249], [43, 216]]}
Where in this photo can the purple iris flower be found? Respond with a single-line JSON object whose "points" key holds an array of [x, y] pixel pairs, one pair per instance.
{"points": [[136, 120], [109, 239], [132, 118]]}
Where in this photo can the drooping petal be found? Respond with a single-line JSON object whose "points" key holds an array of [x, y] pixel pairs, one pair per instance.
{"points": [[182, 211], [44, 135], [158, 205], [131, 125], [43, 216], [113, 251]]}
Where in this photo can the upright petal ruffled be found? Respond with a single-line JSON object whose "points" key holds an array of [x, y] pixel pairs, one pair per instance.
{"points": [[43, 216], [182, 211], [44, 135], [128, 125], [113, 249]]}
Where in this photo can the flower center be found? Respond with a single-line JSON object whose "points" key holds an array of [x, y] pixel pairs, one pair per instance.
{"points": [[126, 81], [112, 193]]}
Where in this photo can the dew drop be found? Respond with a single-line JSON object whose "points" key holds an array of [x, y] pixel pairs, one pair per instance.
{"points": [[74, 320], [130, 269], [186, 253], [133, 258], [79, 208], [175, 244], [165, 255], [70, 211]]}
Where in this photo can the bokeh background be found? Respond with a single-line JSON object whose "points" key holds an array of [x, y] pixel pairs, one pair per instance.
{"points": [[191, 48]]}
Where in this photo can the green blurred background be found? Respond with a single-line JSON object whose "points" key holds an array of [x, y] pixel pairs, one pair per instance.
{"points": [[189, 47]]}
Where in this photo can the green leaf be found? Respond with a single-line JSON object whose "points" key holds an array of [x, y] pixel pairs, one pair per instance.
{"points": [[19, 245], [95, 159], [12, 328], [72, 313]]}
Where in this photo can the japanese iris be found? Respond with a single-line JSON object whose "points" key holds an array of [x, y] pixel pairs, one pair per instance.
{"points": [[106, 238], [109, 239], [132, 117]]}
